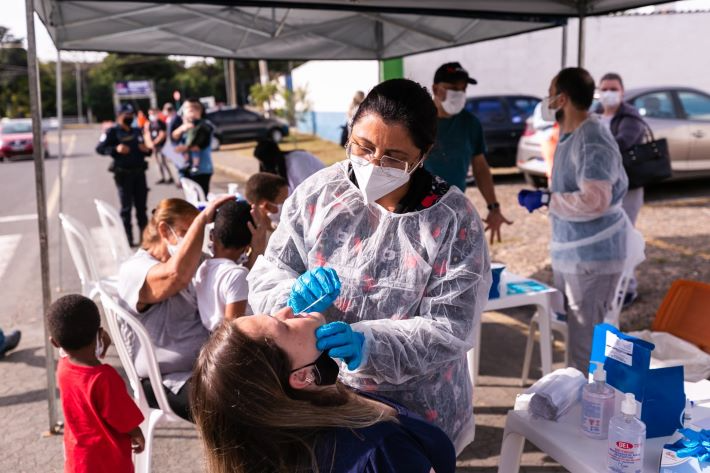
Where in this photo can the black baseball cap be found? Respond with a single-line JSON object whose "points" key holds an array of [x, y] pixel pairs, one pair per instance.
{"points": [[124, 108], [452, 72]]}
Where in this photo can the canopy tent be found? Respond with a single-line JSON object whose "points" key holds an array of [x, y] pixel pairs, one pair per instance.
{"points": [[266, 29]]}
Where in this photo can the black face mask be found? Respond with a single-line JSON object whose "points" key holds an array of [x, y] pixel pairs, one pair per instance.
{"points": [[128, 121], [326, 370]]}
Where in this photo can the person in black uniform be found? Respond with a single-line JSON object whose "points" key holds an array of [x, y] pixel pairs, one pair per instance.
{"points": [[125, 145]]}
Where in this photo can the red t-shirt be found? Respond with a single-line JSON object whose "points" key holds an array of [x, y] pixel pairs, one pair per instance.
{"points": [[98, 415]]}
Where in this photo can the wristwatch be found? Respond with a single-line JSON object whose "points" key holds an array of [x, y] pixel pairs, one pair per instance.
{"points": [[493, 206]]}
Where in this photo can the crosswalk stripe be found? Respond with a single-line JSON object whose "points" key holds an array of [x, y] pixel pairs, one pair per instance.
{"points": [[8, 246]]}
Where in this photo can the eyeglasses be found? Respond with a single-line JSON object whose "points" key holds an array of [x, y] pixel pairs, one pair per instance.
{"points": [[387, 163]]}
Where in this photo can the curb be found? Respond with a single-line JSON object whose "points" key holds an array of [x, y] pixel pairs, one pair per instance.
{"points": [[231, 172]]}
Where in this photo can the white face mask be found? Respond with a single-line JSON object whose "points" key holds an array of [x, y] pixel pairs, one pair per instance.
{"points": [[173, 249], [276, 216], [99, 345], [610, 98], [375, 181], [548, 114], [454, 102]]}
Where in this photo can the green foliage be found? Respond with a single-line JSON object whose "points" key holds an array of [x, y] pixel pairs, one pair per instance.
{"points": [[263, 94]]}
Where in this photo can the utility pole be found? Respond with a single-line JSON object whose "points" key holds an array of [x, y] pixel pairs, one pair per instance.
{"points": [[79, 97]]}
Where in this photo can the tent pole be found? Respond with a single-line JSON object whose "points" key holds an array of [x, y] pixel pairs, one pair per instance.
{"points": [[564, 46], [36, 108], [233, 82], [580, 39], [60, 157]]}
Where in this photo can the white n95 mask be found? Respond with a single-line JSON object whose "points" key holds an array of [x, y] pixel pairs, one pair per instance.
{"points": [[454, 102], [548, 114], [610, 98], [375, 181]]}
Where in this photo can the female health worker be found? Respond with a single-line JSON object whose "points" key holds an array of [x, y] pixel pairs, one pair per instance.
{"points": [[394, 257]]}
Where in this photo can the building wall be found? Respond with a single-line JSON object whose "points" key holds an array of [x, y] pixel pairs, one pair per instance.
{"points": [[647, 50], [331, 86]]}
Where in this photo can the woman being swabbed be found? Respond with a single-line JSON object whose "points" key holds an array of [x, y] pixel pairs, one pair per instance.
{"points": [[265, 399]]}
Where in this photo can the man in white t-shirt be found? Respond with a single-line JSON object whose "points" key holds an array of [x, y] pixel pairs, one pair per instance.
{"points": [[221, 282], [295, 166]]}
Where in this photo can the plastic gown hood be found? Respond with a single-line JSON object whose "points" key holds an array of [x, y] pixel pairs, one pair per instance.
{"points": [[301, 29]]}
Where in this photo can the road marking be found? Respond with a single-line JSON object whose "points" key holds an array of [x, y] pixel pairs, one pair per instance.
{"points": [[8, 246], [53, 198], [18, 218]]}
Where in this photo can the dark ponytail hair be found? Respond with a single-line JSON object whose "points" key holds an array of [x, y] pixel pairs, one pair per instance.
{"points": [[403, 102], [271, 158]]}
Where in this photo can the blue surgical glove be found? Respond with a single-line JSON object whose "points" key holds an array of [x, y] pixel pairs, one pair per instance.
{"points": [[340, 341], [532, 200], [311, 286]]}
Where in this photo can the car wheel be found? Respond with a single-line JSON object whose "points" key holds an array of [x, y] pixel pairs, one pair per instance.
{"points": [[539, 182], [215, 144], [276, 135]]}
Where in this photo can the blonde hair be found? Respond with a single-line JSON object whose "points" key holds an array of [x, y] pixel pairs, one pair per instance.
{"points": [[169, 211], [251, 419]]}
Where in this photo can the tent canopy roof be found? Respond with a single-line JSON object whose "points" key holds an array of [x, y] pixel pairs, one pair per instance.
{"points": [[301, 29]]}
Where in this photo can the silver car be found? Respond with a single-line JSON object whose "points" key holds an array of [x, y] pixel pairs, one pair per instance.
{"points": [[681, 115]]}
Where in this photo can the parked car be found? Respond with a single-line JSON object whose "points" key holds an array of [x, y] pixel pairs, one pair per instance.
{"points": [[503, 119], [16, 139], [681, 115], [530, 159], [237, 124]]}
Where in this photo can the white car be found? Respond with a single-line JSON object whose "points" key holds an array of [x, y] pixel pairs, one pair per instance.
{"points": [[529, 157], [681, 115]]}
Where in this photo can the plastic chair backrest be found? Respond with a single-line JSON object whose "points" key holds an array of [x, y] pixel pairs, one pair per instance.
{"points": [[612, 315], [113, 226], [116, 315], [685, 313], [193, 192], [81, 249]]}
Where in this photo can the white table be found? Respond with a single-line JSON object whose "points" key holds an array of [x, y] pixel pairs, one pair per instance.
{"points": [[541, 300], [564, 441]]}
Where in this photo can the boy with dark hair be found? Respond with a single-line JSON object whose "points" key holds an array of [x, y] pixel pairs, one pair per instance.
{"points": [[102, 421], [221, 282], [267, 192]]}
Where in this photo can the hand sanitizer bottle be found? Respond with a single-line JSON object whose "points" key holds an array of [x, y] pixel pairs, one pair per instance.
{"points": [[627, 436], [597, 405]]}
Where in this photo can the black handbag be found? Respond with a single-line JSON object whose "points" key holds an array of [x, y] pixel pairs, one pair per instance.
{"points": [[647, 163]]}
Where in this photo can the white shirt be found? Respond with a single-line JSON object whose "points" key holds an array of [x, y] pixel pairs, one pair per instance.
{"points": [[173, 324], [300, 165], [219, 281]]}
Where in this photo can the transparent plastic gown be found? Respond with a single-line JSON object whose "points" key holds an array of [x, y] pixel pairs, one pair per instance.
{"points": [[414, 284]]}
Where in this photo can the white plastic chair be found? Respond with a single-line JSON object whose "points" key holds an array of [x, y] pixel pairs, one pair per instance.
{"points": [[113, 227], [118, 317], [193, 192], [83, 255], [560, 326]]}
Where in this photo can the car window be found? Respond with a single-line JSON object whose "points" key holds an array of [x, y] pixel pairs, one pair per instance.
{"points": [[215, 117], [655, 105], [245, 116], [521, 108], [696, 106], [9, 128], [488, 111]]}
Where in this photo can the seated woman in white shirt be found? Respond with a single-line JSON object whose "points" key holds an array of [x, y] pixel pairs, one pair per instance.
{"points": [[155, 284], [294, 166]]}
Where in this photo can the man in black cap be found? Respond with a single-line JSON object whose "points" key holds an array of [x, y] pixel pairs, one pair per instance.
{"points": [[460, 143], [125, 145]]}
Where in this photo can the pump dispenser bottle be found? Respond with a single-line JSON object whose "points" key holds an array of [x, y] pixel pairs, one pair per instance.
{"points": [[627, 437], [597, 405]]}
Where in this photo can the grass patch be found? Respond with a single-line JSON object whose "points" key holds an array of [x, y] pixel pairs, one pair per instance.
{"points": [[325, 150]]}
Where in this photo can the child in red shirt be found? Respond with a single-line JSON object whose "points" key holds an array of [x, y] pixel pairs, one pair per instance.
{"points": [[101, 420]]}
